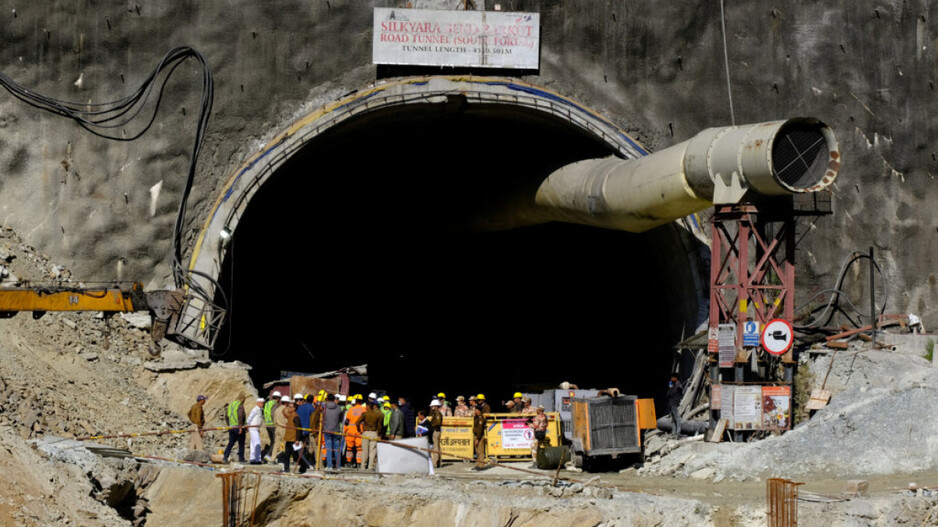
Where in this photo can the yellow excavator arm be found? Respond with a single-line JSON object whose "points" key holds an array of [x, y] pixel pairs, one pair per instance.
{"points": [[164, 306]]}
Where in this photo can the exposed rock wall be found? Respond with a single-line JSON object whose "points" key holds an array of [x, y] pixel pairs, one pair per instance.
{"points": [[657, 70], [417, 501]]}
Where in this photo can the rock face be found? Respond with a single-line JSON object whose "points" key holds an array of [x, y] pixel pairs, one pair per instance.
{"points": [[658, 73], [419, 502], [220, 384]]}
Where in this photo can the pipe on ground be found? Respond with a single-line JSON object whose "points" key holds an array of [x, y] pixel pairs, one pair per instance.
{"points": [[718, 165], [665, 424]]}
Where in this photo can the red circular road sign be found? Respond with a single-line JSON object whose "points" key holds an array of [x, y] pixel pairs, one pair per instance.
{"points": [[778, 336]]}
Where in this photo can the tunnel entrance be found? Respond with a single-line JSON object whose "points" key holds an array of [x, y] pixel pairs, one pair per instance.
{"points": [[405, 239]]}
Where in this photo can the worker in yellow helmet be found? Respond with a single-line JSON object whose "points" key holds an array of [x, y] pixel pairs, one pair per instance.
{"points": [[517, 404], [484, 406], [445, 409]]}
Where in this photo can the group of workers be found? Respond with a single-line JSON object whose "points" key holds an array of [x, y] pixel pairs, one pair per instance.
{"points": [[349, 425]]}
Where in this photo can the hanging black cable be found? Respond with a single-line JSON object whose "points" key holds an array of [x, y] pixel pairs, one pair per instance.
{"points": [[837, 294], [101, 118]]}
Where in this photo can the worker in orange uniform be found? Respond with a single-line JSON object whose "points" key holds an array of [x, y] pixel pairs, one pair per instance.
{"points": [[353, 437]]}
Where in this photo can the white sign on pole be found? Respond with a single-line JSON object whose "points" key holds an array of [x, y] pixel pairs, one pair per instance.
{"points": [[478, 39]]}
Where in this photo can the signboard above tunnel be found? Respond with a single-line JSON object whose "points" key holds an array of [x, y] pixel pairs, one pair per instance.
{"points": [[476, 39]]}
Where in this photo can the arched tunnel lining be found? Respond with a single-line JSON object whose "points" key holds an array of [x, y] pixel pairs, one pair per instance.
{"points": [[365, 247]]}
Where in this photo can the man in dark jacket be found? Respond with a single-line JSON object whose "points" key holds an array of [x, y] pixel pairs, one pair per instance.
{"points": [[478, 435], [675, 394], [197, 416], [333, 417], [409, 418], [396, 423]]}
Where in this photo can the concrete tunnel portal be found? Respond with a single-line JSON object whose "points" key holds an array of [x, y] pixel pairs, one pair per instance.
{"points": [[406, 237]]}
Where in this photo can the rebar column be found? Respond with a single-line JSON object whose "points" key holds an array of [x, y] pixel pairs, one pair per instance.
{"points": [[782, 502]]}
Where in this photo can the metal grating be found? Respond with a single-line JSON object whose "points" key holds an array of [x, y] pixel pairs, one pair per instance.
{"points": [[613, 423], [799, 156]]}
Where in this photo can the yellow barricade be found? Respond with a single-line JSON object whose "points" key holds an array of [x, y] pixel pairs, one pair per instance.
{"points": [[456, 437], [508, 435]]}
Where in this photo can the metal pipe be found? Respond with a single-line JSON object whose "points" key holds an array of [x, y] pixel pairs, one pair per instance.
{"points": [[873, 320], [718, 165]]}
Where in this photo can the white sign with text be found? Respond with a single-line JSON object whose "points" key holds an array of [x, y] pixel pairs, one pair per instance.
{"points": [[486, 39]]}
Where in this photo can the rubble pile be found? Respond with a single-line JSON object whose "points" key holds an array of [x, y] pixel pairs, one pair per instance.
{"points": [[71, 375], [882, 419]]}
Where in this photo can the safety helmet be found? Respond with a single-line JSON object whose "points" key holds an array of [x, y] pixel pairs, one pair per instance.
{"points": [[276, 394], [386, 398], [441, 395], [480, 396], [518, 395], [434, 403], [285, 399], [387, 405], [372, 395], [298, 396], [340, 397]]}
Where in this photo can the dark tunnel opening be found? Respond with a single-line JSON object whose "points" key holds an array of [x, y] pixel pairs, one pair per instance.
{"points": [[365, 248]]}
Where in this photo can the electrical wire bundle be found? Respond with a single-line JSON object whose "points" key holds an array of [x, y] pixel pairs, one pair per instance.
{"points": [[101, 119], [837, 294]]}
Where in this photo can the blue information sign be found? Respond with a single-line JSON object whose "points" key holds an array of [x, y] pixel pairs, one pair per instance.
{"points": [[751, 334]]}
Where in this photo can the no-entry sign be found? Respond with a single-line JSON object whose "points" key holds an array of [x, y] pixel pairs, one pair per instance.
{"points": [[777, 337]]}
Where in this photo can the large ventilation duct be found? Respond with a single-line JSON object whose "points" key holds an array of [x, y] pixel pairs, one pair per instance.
{"points": [[718, 165]]}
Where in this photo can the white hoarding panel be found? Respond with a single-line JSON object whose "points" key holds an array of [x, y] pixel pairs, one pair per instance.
{"points": [[747, 407], [423, 37], [393, 459]]}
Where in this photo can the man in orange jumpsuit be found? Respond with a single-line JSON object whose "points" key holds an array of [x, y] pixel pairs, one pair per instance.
{"points": [[353, 436]]}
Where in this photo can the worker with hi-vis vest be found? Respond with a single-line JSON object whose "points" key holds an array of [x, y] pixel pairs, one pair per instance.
{"points": [[235, 418], [269, 407], [353, 436]]}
